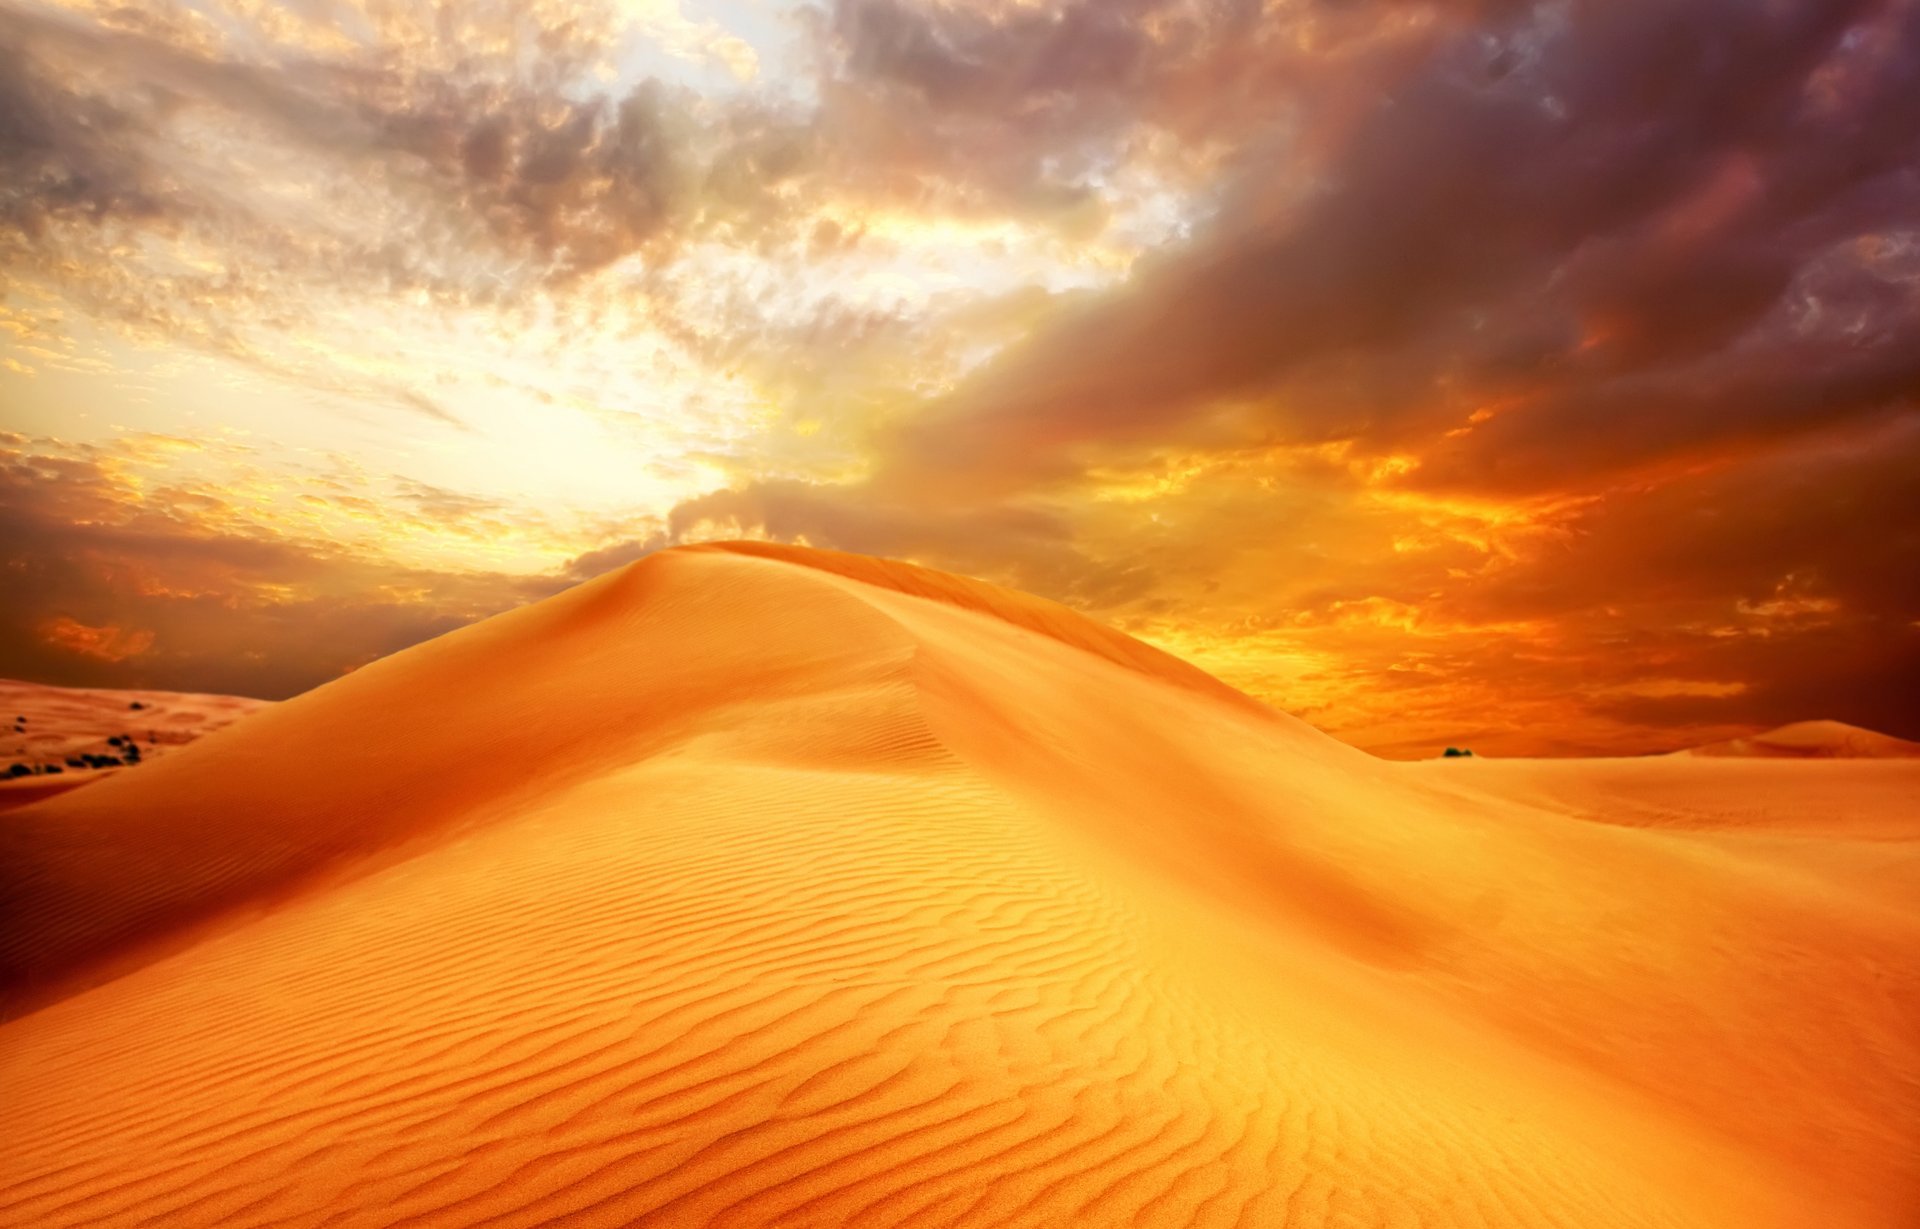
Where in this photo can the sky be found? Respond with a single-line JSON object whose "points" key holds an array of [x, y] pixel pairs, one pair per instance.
{"points": [[1535, 377]]}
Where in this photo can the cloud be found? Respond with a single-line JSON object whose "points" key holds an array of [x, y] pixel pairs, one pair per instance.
{"points": [[1657, 616], [114, 583], [109, 644], [1581, 212], [1835, 515], [66, 157], [1536, 374], [245, 186]]}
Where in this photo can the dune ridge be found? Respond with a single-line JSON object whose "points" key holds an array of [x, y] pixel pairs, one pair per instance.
{"points": [[1022, 610], [767, 887]]}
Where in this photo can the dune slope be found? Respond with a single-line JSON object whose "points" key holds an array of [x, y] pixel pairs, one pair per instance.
{"points": [[55, 728], [758, 886]]}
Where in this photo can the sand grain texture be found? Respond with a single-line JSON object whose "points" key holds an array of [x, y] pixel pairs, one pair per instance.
{"points": [[766, 887]]}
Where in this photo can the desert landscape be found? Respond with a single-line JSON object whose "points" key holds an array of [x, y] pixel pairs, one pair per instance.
{"points": [[960, 614], [755, 885], [62, 737]]}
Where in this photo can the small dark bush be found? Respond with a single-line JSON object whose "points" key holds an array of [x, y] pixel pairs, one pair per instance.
{"points": [[53, 768], [136, 706], [1453, 753], [19, 770]]}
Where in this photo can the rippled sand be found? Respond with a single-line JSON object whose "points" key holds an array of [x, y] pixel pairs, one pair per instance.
{"points": [[757, 886]]}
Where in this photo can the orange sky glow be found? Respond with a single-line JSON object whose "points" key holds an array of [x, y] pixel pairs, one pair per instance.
{"points": [[1537, 377]]}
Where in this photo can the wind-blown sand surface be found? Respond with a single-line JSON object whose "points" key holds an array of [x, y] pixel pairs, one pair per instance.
{"points": [[48, 728], [755, 886]]}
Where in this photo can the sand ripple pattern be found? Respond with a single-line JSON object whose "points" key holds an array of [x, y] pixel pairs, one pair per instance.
{"points": [[739, 889]]}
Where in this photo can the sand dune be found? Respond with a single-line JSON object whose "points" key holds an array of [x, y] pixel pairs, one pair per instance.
{"points": [[69, 736], [1814, 740], [755, 886]]}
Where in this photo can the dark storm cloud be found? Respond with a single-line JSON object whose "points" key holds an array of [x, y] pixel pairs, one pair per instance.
{"points": [[1590, 201]]}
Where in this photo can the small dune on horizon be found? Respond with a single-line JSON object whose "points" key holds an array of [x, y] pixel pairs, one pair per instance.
{"points": [[1813, 740], [57, 738], [752, 885]]}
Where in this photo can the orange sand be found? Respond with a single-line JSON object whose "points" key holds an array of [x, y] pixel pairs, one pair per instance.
{"points": [[45, 727], [750, 886], [1814, 740]]}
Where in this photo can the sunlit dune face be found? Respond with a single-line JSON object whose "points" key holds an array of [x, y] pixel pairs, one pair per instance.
{"points": [[1536, 375], [760, 886]]}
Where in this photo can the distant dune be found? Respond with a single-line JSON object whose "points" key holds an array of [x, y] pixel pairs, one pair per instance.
{"points": [[68, 736], [1814, 740], [757, 886]]}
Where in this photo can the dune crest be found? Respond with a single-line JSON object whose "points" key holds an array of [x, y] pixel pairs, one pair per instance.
{"points": [[750, 886], [1022, 610]]}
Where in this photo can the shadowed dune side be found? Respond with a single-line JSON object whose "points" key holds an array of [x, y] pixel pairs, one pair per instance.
{"points": [[730, 889]]}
